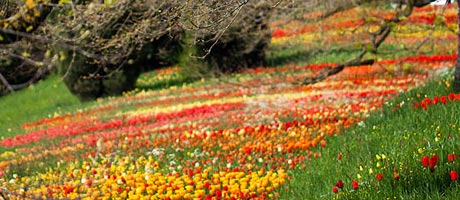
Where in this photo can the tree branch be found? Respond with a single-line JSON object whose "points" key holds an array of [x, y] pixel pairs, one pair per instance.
{"points": [[5, 82], [329, 71], [38, 76]]}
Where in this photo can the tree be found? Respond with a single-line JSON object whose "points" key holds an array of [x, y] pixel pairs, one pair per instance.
{"points": [[96, 45]]}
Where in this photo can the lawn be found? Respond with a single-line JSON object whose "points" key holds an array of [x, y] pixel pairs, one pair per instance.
{"points": [[386, 131], [45, 99]]}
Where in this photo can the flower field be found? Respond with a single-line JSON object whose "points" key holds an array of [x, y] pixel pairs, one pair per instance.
{"points": [[257, 134]]}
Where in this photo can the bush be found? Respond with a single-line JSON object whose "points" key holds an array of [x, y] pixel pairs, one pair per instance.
{"points": [[88, 80], [164, 51]]}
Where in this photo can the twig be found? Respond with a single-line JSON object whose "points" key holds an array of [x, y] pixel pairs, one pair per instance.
{"points": [[219, 35], [103, 59]]}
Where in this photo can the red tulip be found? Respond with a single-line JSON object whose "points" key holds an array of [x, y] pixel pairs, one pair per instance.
{"points": [[427, 101], [433, 161], [354, 183], [453, 175], [89, 182], [339, 184], [451, 96], [425, 161], [443, 100], [218, 193], [323, 143], [379, 176], [247, 151], [207, 185], [278, 33], [451, 157], [435, 100], [334, 189]]}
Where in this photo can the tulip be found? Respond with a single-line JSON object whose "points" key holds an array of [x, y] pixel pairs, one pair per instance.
{"points": [[379, 177], [354, 184], [425, 161], [453, 175], [334, 189], [339, 184]]}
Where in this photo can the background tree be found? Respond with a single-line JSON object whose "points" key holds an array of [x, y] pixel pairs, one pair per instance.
{"points": [[100, 49]]}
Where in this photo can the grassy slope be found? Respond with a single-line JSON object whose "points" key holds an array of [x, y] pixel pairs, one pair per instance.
{"points": [[51, 96], [403, 136], [33, 103]]}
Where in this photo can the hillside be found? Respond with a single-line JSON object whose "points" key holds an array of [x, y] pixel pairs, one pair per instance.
{"points": [[361, 134]]}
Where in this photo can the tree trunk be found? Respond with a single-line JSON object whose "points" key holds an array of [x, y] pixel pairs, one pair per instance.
{"points": [[456, 83]]}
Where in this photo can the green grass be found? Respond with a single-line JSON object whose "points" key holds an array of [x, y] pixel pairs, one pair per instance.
{"points": [[403, 135], [40, 100]]}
